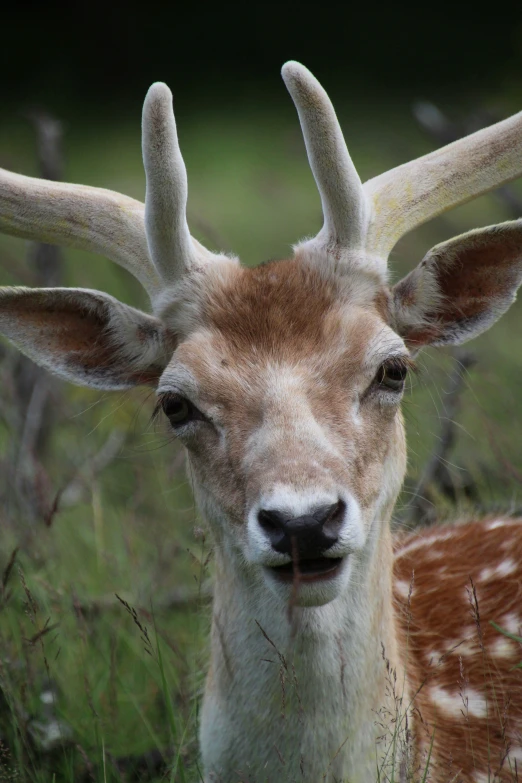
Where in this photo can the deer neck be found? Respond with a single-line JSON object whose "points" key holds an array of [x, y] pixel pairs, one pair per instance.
{"points": [[303, 692]]}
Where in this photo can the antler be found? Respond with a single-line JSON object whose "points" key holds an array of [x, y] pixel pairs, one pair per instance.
{"points": [[171, 247], [151, 242], [93, 219], [361, 222], [374, 216], [409, 195], [342, 196]]}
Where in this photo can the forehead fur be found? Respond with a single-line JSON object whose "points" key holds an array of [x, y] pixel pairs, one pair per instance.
{"points": [[283, 306]]}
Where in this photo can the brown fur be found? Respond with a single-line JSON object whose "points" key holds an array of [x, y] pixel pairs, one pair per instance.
{"points": [[452, 645], [274, 300]]}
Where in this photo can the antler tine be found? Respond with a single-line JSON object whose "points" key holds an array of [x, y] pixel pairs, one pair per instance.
{"points": [[342, 196], [152, 242], [409, 195], [100, 221], [171, 247]]}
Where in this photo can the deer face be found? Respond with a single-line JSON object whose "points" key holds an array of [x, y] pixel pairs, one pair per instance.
{"points": [[287, 398]]}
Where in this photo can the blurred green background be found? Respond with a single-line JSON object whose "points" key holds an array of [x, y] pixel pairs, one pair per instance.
{"points": [[98, 503]]}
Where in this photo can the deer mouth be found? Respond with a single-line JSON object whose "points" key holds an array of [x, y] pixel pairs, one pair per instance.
{"points": [[310, 570]]}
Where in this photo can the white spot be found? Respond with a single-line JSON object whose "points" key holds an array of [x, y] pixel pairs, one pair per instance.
{"points": [[476, 704], [462, 647], [423, 541], [515, 753], [482, 777], [456, 705], [507, 567], [495, 524], [402, 588], [511, 622], [504, 568], [435, 554], [502, 648], [502, 523], [434, 657], [451, 703]]}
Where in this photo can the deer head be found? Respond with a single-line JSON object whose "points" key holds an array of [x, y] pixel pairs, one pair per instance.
{"points": [[284, 382]]}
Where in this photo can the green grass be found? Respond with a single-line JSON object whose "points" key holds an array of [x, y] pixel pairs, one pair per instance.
{"points": [[133, 529]]}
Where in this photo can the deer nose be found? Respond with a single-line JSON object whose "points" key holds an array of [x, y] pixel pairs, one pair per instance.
{"points": [[307, 536]]}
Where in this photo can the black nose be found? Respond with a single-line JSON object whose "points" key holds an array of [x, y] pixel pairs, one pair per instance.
{"points": [[308, 536]]}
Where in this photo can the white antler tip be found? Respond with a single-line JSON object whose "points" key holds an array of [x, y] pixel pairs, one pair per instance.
{"points": [[159, 127], [303, 86], [158, 93], [294, 73]]}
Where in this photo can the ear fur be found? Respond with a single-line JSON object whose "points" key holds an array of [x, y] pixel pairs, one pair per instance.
{"points": [[86, 337], [461, 287]]}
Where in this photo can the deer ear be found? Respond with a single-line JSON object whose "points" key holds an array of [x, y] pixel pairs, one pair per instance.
{"points": [[86, 337], [461, 287]]}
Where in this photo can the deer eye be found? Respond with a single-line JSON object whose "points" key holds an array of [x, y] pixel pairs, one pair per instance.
{"points": [[179, 410], [391, 375]]}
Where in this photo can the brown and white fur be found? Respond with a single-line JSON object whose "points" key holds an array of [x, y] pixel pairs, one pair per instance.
{"points": [[284, 383]]}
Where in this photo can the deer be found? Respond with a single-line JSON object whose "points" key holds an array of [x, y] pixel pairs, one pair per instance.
{"points": [[339, 651]]}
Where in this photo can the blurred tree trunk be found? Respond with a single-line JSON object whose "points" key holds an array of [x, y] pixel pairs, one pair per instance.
{"points": [[36, 396]]}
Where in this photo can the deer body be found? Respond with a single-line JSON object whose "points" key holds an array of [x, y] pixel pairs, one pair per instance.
{"points": [[284, 383], [305, 705]]}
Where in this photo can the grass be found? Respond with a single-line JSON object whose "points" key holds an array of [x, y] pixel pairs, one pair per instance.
{"points": [[125, 675], [123, 681]]}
